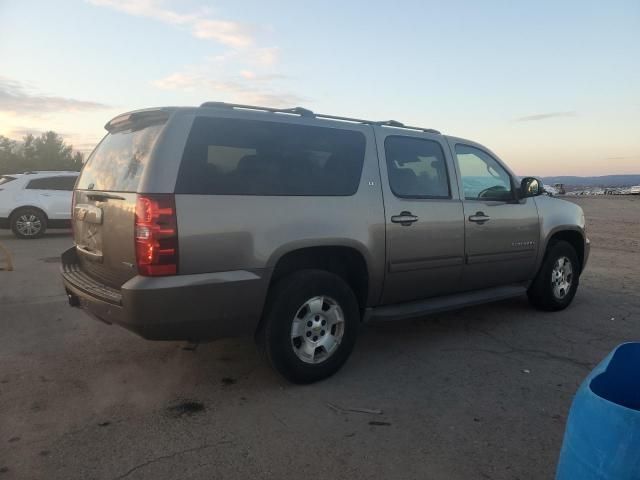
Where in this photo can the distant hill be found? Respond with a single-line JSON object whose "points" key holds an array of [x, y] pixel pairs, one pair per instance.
{"points": [[604, 181]]}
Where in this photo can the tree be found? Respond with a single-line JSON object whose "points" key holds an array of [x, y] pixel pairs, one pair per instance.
{"points": [[8, 155], [46, 152]]}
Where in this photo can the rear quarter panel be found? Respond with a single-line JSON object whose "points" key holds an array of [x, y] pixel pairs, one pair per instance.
{"points": [[239, 232]]}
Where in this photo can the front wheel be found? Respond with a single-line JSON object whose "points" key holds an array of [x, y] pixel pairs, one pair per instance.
{"points": [[310, 325], [557, 281]]}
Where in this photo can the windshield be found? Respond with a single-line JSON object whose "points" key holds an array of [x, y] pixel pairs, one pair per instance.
{"points": [[118, 162]]}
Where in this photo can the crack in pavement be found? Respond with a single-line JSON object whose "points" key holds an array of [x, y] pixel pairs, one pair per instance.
{"points": [[511, 349], [536, 353], [168, 456]]}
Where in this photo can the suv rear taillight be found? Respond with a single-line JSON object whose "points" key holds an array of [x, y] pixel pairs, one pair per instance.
{"points": [[156, 235]]}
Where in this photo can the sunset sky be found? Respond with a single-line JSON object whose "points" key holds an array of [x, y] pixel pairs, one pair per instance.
{"points": [[553, 87]]}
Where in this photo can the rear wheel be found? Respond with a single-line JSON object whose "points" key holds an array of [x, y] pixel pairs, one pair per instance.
{"points": [[557, 281], [310, 325], [28, 223]]}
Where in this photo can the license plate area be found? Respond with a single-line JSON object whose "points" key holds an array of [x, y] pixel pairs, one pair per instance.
{"points": [[88, 225]]}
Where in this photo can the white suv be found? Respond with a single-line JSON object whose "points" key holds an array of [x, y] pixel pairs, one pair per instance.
{"points": [[34, 201]]}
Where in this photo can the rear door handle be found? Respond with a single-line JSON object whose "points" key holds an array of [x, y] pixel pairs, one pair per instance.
{"points": [[480, 218], [405, 218]]}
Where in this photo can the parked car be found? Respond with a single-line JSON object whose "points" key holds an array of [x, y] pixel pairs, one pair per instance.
{"points": [[31, 202], [559, 188], [223, 220]]}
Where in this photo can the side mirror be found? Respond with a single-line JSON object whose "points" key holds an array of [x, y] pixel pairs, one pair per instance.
{"points": [[530, 187]]}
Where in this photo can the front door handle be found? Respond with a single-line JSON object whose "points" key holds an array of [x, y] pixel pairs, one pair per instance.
{"points": [[479, 218], [405, 218]]}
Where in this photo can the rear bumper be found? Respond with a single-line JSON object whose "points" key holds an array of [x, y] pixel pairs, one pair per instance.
{"points": [[4, 222], [181, 307]]}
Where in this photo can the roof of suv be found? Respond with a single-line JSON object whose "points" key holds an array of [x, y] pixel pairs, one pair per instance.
{"points": [[152, 114], [125, 118]]}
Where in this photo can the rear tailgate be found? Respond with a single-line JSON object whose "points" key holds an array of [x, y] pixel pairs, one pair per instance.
{"points": [[104, 236], [105, 199]]}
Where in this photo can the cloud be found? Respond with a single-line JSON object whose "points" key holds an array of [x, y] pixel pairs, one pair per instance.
{"points": [[248, 88], [177, 81], [15, 97], [251, 66], [200, 23], [266, 56], [545, 116], [227, 33]]}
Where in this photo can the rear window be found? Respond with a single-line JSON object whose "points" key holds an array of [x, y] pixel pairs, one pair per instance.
{"points": [[118, 162], [6, 179], [247, 157]]}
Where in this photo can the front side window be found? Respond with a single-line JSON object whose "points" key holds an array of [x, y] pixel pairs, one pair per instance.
{"points": [[416, 167], [483, 178], [246, 157]]}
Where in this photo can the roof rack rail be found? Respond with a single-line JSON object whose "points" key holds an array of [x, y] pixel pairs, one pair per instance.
{"points": [[391, 123], [303, 112]]}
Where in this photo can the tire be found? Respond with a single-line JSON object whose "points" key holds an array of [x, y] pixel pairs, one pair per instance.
{"points": [[28, 223], [306, 299], [549, 291]]}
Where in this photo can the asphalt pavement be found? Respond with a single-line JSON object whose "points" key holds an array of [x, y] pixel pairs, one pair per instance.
{"points": [[477, 393]]}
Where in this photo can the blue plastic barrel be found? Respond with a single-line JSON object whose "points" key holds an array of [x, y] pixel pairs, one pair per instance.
{"points": [[602, 438]]}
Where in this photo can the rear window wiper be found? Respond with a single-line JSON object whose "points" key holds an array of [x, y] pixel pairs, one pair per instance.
{"points": [[103, 196]]}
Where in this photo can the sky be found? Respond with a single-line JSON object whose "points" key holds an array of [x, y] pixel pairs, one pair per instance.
{"points": [[553, 87]]}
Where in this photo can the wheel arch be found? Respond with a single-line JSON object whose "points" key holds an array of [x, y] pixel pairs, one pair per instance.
{"points": [[345, 259], [27, 207], [573, 236]]}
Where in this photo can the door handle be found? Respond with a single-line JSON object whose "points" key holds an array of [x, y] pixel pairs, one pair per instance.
{"points": [[405, 218], [479, 218]]}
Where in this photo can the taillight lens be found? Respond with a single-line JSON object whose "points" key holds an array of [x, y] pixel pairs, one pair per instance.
{"points": [[156, 232]]}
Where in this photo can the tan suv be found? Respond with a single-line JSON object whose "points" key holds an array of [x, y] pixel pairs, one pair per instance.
{"points": [[223, 220]]}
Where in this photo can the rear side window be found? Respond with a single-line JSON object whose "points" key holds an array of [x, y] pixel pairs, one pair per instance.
{"points": [[52, 183], [118, 162], [247, 157], [416, 168]]}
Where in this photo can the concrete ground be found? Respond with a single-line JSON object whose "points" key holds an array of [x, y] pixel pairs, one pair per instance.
{"points": [[478, 393]]}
